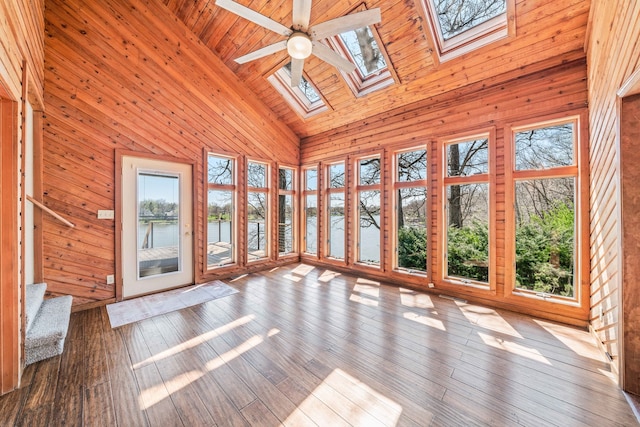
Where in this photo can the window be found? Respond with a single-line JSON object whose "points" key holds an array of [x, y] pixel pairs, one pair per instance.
{"points": [[410, 210], [460, 26], [304, 99], [467, 196], [286, 197], [221, 197], [369, 218], [545, 179], [336, 215], [363, 48], [257, 210], [310, 200]]}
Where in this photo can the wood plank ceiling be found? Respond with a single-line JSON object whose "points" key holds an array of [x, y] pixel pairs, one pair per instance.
{"points": [[548, 33]]}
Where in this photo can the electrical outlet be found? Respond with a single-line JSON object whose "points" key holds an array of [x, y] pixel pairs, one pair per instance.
{"points": [[431, 285], [111, 279]]}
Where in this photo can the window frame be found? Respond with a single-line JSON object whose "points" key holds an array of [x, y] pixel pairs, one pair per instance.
{"points": [[498, 28], [268, 217], [304, 192], [579, 172], [488, 178], [235, 211], [294, 217], [397, 185], [356, 189]]}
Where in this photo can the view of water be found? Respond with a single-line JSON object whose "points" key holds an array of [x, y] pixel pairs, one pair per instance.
{"points": [[166, 234]]}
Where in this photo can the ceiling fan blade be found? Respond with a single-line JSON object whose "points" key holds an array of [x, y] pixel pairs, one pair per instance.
{"points": [[296, 71], [345, 23], [254, 17], [301, 14], [267, 50], [331, 57]]}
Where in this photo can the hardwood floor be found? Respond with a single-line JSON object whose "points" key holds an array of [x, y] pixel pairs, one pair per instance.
{"points": [[305, 346]]}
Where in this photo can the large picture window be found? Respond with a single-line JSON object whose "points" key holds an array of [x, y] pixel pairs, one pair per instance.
{"points": [[410, 210], [467, 196], [545, 178], [221, 197], [369, 207], [257, 211], [286, 210], [336, 214], [310, 218]]}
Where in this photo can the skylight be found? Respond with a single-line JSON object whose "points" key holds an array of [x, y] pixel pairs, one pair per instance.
{"points": [[304, 98], [306, 88], [364, 51], [457, 16], [363, 48], [460, 26]]}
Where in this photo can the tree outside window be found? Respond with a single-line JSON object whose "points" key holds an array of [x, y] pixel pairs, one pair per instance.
{"points": [[257, 211], [410, 190], [467, 210], [221, 197], [545, 179]]}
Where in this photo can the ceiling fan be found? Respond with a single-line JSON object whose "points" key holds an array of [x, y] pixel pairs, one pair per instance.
{"points": [[302, 40]]}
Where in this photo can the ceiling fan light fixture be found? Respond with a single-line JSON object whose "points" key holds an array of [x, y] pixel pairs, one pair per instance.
{"points": [[299, 45]]}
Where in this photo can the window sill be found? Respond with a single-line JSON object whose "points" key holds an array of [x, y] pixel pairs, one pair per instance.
{"points": [[554, 299]]}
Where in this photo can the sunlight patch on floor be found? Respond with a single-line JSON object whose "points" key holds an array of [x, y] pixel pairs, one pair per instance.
{"points": [[487, 318], [424, 320], [195, 341], [157, 393], [370, 290], [292, 277], [328, 275], [514, 348], [413, 299], [353, 400], [364, 300], [580, 342], [303, 269]]}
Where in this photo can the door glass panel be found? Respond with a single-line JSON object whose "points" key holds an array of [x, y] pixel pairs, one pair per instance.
{"points": [[158, 224]]}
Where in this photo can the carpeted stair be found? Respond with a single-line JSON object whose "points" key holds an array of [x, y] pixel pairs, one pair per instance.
{"points": [[47, 323]]}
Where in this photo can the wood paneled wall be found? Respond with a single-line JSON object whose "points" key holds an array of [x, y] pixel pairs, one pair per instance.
{"points": [[129, 75], [559, 91], [613, 54], [21, 80]]}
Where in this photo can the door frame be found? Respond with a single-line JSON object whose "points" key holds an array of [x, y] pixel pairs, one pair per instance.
{"points": [[119, 154]]}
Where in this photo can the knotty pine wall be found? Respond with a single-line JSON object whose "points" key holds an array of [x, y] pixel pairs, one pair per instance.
{"points": [[613, 55], [21, 81], [559, 91], [128, 75]]}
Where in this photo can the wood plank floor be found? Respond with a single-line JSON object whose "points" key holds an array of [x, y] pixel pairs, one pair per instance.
{"points": [[304, 346]]}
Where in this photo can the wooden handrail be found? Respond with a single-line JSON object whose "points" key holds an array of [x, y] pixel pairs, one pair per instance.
{"points": [[49, 211]]}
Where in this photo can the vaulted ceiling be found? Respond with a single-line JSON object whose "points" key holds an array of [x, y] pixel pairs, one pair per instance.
{"points": [[547, 33]]}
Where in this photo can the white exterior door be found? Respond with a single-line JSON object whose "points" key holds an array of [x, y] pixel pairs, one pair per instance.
{"points": [[157, 225]]}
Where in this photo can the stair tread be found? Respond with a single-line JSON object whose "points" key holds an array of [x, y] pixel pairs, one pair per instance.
{"points": [[34, 295], [51, 323]]}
